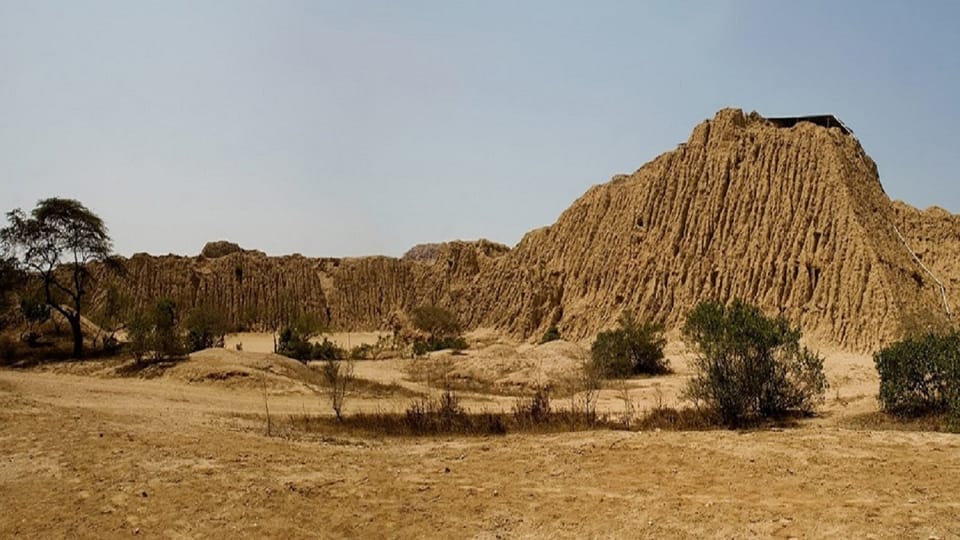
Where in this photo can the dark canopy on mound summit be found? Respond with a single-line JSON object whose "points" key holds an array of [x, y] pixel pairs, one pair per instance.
{"points": [[825, 120]]}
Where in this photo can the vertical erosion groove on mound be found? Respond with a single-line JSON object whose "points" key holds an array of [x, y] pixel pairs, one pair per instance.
{"points": [[791, 218], [258, 291], [934, 236]]}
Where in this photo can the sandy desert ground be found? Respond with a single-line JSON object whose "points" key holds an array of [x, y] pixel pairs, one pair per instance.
{"points": [[90, 454]]}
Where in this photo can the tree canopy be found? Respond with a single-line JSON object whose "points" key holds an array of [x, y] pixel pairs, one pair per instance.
{"points": [[56, 241]]}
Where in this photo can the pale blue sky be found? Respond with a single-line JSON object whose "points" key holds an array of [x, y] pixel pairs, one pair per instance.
{"points": [[350, 128]]}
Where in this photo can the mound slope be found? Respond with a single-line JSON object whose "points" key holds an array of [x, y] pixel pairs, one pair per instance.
{"points": [[245, 369]]}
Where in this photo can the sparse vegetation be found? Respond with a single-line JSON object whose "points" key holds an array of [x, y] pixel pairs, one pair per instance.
{"points": [[112, 316], [674, 419], [369, 351], [552, 334], [338, 375], [750, 367], [534, 409], [921, 376], [631, 349], [441, 328], [295, 341], [155, 334], [444, 415], [587, 383], [205, 326], [916, 324]]}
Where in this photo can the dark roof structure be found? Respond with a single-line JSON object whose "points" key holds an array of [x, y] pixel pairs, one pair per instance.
{"points": [[825, 120]]}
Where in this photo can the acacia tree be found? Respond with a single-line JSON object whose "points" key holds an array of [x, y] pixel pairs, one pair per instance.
{"points": [[56, 241]]}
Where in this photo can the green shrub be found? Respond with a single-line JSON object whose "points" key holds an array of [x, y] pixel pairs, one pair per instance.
{"points": [[631, 349], [749, 366], [139, 332], [156, 333], [327, 350], [436, 321], [443, 330], [167, 341], [35, 311], [206, 326], [920, 376], [294, 345], [552, 334], [32, 338]]}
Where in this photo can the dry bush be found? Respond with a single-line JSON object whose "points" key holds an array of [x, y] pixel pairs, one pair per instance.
{"points": [[683, 419], [534, 409], [338, 376]]}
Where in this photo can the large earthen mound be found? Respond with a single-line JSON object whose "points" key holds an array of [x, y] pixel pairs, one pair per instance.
{"points": [[793, 218]]}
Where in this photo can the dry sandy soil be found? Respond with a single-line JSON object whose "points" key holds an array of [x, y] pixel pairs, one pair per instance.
{"points": [[87, 453]]}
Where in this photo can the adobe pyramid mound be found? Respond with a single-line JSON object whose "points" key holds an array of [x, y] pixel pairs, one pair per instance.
{"points": [[793, 219], [788, 214]]}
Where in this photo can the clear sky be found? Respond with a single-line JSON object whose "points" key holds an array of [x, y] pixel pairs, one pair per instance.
{"points": [[352, 127]]}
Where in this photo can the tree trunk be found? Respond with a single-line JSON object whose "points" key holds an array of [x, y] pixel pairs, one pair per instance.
{"points": [[77, 336]]}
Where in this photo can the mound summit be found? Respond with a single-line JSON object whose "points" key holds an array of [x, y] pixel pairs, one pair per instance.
{"points": [[788, 215]]}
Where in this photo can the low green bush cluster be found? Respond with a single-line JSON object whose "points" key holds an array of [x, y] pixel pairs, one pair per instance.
{"points": [[294, 345], [552, 334], [161, 333], [631, 349], [920, 376], [441, 327], [206, 327], [422, 346], [365, 351]]}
